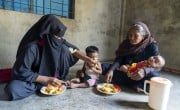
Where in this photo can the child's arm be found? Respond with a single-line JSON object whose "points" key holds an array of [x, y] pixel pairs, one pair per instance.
{"points": [[97, 68]]}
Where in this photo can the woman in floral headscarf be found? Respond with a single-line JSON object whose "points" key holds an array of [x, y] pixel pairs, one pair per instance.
{"points": [[138, 46]]}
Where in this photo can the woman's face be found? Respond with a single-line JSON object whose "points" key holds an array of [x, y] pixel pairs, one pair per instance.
{"points": [[135, 37], [57, 37]]}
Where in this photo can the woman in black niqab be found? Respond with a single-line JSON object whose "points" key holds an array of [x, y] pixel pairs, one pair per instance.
{"points": [[43, 57], [47, 25]]}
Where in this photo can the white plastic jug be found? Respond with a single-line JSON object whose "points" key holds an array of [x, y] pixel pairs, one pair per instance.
{"points": [[158, 93]]}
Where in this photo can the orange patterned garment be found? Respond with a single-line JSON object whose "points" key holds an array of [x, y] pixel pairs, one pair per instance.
{"points": [[135, 66]]}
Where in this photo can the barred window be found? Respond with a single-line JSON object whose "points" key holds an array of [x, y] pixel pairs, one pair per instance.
{"points": [[63, 8]]}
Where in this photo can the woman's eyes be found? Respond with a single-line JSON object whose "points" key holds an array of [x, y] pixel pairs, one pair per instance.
{"points": [[133, 35]]}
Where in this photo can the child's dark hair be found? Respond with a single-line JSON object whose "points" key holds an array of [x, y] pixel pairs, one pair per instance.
{"points": [[91, 49]]}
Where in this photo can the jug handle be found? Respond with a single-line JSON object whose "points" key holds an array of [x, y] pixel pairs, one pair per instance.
{"points": [[145, 83]]}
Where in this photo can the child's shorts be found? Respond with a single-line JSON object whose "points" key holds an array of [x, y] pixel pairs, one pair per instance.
{"points": [[88, 79]]}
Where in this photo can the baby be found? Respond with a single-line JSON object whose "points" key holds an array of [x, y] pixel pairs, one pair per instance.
{"points": [[154, 61], [89, 74]]}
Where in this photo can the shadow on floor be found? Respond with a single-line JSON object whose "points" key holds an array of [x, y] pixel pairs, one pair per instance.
{"points": [[133, 104]]}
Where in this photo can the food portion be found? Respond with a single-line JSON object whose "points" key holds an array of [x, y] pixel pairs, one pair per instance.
{"points": [[135, 66], [109, 88], [132, 68], [50, 89]]}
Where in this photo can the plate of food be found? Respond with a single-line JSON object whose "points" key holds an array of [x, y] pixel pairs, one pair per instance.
{"points": [[53, 90], [108, 88]]}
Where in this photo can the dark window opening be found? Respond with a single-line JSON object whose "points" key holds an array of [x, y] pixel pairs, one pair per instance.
{"points": [[63, 8]]}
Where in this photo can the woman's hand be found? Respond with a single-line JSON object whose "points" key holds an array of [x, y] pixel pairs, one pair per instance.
{"points": [[85, 58], [138, 75], [124, 68], [109, 76], [91, 62], [49, 80], [55, 81]]}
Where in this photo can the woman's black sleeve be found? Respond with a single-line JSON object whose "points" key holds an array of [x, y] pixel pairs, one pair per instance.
{"points": [[152, 50], [22, 69], [116, 63]]}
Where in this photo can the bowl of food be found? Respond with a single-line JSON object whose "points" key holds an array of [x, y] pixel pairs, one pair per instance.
{"points": [[53, 90], [108, 88]]}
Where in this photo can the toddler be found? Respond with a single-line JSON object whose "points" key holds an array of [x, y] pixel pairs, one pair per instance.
{"points": [[89, 74]]}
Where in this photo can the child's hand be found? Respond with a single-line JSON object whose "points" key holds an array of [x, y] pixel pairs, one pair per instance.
{"points": [[97, 68], [93, 68]]}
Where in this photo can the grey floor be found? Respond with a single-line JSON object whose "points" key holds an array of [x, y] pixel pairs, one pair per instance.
{"points": [[91, 99]]}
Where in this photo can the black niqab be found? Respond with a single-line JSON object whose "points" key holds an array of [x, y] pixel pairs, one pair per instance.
{"points": [[56, 57], [47, 24]]}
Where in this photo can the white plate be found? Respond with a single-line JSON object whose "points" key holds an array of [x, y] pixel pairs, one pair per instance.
{"points": [[99, 86], [44, 92]]}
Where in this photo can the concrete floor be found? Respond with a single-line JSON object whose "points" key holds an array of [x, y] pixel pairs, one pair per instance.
{"points": [[90, 99]]}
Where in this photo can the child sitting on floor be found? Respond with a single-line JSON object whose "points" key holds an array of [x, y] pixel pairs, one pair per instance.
{"points": [[89, 74]]}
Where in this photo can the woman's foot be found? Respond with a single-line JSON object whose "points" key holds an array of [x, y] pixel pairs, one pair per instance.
{"points": [[75, 80], [74, 85]]}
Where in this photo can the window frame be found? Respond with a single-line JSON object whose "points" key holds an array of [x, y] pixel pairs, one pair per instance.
{"points": [[31, 6]]}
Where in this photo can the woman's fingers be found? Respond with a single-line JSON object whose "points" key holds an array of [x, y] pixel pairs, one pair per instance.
{"points": [[57, 82], [138, 75], [135, 77], [123, 68], [129, 74], [132, 75], [92, 61], [109, 77]]}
